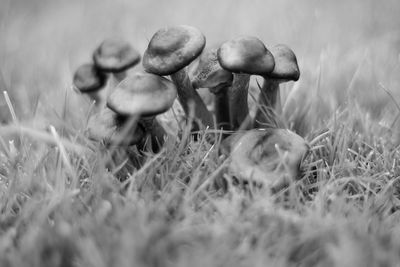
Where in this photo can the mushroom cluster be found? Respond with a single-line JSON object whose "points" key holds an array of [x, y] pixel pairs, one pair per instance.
{"points": [[267, 155], [112, 57], [257, 148]]}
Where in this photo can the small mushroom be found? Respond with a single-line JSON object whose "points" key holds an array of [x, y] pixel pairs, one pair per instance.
{"points": [[169, 51], [270, 157], [115, 56], [209, 74], [243, 56], [89, 80], [141, 97], [286, 69]]}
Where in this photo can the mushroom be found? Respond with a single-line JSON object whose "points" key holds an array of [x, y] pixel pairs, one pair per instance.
{"points": [[89, 80], [209, 74], [115, 56], [141, 97], [286, 69], [270, 157], [169, 51], [243, 56]]}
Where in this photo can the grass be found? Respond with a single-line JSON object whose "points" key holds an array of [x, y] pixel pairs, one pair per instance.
{"points": [[67, 201]]}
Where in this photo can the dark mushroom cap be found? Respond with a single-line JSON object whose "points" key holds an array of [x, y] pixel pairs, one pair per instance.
{"points": [[246, 55], [107, 126], [88, 78], [286, 67], [209, 73], [269, 156], [172, 48], [142, 94], [114, 55]]}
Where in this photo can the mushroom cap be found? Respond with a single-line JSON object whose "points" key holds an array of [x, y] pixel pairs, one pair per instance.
{"points": [[286, 67], [107, 126], [246, 55], [142, 94], [209, 74], [172, 48], [115, 55], [268, 156], [88, 78]]}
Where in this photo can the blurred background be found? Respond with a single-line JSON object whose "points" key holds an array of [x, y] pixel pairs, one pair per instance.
{"points": [[347, 49]]}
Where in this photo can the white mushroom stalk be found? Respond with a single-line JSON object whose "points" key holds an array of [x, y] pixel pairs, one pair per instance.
{"points": [[169, 51], [286, 69], [243, 56], [238, 106], [155, 133], [209, 74], [190, 100]]}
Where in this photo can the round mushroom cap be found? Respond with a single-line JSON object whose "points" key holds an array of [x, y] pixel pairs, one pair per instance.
{"points": [[88, 78], [286, 67], [142, 94], [108, 127], [115, 55], [173, 48], [209, 73], [246, 55], [268, 156]]}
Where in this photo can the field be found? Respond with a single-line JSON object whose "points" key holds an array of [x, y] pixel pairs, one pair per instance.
{"points": [[61, 199]]}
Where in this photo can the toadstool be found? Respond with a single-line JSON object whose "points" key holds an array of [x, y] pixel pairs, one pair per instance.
{"points": [[286, 69], [141, 97], [243, 56], [115, 56], [169, 51], [89, 80]]}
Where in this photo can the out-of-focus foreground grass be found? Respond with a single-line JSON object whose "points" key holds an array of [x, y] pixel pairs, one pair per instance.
{"points": [[59, 206]]}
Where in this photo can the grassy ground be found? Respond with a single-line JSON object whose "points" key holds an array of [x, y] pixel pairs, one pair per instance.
{"points": [[61, 203]]}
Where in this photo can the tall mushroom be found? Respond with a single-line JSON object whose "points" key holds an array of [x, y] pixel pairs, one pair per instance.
{"points": [[89, 80], [115, 56], [209, 74], [169, 51], [243, 56], [286, 69], [141, 97], [270, 157]]}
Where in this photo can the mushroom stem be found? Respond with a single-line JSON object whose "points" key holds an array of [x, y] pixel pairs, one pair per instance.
{"points": [[155, 133], [126, 125], [269, 103], [187, 94], [222, 115], [238, 107]]}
